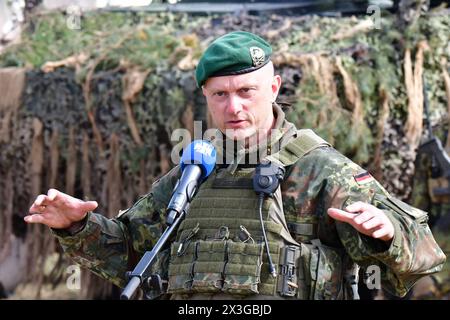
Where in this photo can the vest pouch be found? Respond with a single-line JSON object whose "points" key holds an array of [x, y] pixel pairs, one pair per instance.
{"points": [[321, 272], [181, 267], [196, 267], [209, 266], [243, 269]]}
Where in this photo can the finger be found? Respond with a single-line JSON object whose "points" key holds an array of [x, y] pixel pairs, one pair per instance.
{"points": [[35, 218], [40, 200], [53, 194], [37, 208], [33, 208], [89, 205], [363, 217], [372, 223], [357, 207], [341, 215], [380, 233]]}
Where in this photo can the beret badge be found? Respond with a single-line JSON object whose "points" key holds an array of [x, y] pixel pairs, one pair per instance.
{"points": [[258, 56]]}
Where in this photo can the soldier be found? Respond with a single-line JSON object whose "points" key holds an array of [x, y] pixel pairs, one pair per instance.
{"points": [[426, 182], [327, 216]]}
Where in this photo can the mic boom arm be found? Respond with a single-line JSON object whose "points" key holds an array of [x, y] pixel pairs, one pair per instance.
{"points": [[176, 211], [197, 163], [140, 274]]}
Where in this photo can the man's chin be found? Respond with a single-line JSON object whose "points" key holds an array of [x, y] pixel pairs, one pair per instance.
{"points": [[239, 134]]}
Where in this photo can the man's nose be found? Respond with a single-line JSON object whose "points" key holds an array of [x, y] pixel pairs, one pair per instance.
{"points": [[234, 104]]}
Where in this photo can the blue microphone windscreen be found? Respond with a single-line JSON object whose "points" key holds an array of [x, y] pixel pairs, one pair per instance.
{"points": [[202, 153]]}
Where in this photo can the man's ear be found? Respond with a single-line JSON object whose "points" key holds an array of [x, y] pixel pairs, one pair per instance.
{"points": [[276, 84]]}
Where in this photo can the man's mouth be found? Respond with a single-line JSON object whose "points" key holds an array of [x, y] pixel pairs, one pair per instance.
{"points": [[236, 123]]}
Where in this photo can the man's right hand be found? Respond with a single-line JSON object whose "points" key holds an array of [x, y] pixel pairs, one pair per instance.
{"points": [[58, 210]]}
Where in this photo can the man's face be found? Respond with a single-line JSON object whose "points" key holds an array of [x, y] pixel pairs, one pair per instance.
{"points": [[241, 105]]}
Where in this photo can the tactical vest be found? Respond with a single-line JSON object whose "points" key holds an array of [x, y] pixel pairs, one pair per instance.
{"points": [[219, 247]]}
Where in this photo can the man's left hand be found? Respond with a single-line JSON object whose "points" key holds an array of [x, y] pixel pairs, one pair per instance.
{"points": [[365, 218]]}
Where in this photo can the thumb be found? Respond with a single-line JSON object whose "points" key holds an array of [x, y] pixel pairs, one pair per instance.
{"points": [[341, 215]]}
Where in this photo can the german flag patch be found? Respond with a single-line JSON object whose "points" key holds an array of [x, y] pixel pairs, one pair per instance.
{"points": [[363, 178]]}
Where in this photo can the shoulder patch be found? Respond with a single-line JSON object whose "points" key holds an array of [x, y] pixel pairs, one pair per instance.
{"points": [[363, 178]]}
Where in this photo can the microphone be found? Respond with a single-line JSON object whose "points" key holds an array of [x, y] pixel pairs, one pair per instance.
{"points": [[197, 163]]}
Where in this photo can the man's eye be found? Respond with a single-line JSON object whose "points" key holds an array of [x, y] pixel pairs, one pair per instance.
{"points": [[246, 91], [219, 94]]}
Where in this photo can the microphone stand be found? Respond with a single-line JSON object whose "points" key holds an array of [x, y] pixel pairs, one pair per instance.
{"points": [[140, 273], [177, 209]]}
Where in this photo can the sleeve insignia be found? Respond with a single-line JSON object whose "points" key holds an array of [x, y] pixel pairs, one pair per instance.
{"points": [[363, 178]]}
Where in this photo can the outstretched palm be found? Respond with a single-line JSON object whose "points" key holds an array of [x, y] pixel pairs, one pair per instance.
{"points": [[58, 210]]}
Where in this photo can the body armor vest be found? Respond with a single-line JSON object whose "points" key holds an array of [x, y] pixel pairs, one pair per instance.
{"points": [[219, 247]]}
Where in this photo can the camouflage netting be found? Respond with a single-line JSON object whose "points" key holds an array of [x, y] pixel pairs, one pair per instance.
{"points": [[90, 112]]}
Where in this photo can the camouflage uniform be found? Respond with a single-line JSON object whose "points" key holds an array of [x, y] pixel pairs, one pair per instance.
{"points": [[321, 179], [436, 286]]}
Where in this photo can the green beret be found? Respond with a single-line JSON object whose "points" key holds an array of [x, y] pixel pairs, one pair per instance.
{"points": [[234, 53]]}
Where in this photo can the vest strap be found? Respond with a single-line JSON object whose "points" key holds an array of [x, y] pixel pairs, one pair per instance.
{"points": [[306, 229], [305, 142]]}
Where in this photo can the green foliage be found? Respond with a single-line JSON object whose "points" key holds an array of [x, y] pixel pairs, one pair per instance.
{"points": [[116, 36], [373, 59]]}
